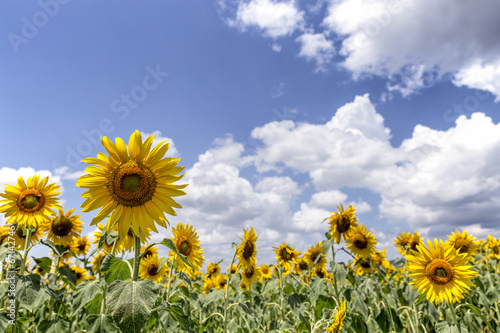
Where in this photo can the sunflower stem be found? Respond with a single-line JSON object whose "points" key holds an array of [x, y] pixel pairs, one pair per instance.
{"points": [[415, 310], [171, 268], [334, 277], [226, 297], [22, 269], [280, 275], [137, 262], [453, 313]]}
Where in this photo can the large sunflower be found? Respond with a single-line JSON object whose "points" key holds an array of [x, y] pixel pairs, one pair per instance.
{"points": [[63, 229], [250, 275], [80, 246], [150, 269], [342, 223], [29, 203], [247, 251], [361, 242], [463, 242], [316, 256], [187, 243], [134, 184], [338, 320], [286, 255], [441, 274]]}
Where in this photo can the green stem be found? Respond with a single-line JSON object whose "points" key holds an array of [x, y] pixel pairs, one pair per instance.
{"points": [[416, 317], [137, 262], [335, 278], [22, 269], [171, 268], [453, 312], [280, 274], [226, 297]]}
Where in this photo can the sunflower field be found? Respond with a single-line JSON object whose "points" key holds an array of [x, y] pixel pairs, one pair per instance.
{"points": [[123, 285]]}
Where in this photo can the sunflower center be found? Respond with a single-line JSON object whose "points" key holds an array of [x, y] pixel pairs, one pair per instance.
{"points": [[185, 247], [343, 224], [148, 253], [249, 273], [314, 256], [365, 264], [320, 273], [264, 270], [286, 255], [62, 227], [248, 250], [359, 241], [439, 271], [303, 265], [153, 270], [78, 275], [413, 245], [30, 201], [20, 232], [133, 184], [462, 245], [81, 246]]}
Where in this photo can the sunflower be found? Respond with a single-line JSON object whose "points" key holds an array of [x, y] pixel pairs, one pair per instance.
{"points": [[316, 256], [81, 273], [402, 241], [246, 251], [21, 233], [341, 223], [362, 265], [221, 281], [187, 243], [29, 203], [338, 320], [285, 270], [80, 245], [320, 272], [300, 265], [379, 259], [208, 284], [96, 262], [134, 185], [4, 234], [153, 250], [494, 245], [39, 270], [150, 270], [234, 269], [105, 246], [361, 242], [286, 255], [415, 240], [213, 269], [441, 273], [463, 242], [65, 251], [63, 229], [128, 243], [265, 271], [250, 275]]}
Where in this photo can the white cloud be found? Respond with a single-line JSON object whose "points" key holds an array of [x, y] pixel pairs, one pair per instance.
{"points": [[481, 76], [317, 48], [274, 18], [172, 150]]}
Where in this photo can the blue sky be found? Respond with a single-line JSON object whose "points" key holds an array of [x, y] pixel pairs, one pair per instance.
{"points": [[246, 91]]}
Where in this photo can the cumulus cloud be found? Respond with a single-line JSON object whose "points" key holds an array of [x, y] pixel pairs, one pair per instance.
{"points": [[317, 48], [172, 150], [274, 18]]}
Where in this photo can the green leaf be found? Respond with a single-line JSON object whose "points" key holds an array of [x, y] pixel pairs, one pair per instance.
{"points": [[111, 237], [4, 321], [86, 292], [44, 263], [170, 244], [69, 274], [288, 289], [270, 285], [478, 312], [27, 289], [420, 299], [446, 327], [51, 245], [54, 326], [179, 316], [211, 296], [115, 269], [100, 324], [130, 303], [339, 272]]}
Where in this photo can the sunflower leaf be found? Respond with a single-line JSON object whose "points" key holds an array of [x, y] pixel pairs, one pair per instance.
{"points": [[446, 327], [130, 303], [170, 244], [115, 269], [100, 324], [85, 293], [27, 289], [478, 312], [44, 263], [51, 245]]}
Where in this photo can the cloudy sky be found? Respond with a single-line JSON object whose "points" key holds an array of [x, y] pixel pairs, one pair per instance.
{"points": [[280, 110]]}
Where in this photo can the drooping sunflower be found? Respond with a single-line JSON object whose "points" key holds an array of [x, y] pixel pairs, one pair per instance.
{"points": [[81, 273], [29, 203], [21, 234], [80, 245], [300, 265], [247, 250], [338, 320], [187, 243], [265, 271], [250, 275], [415, 240], [134, 184], [96, 262], [342, 222], [286, 255], [213, 269], [463, 242], [362, 265], [402, 241], [128, 243], [361, 242], [63, 229], [441, 274], [316, 256], [150, 269]]}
